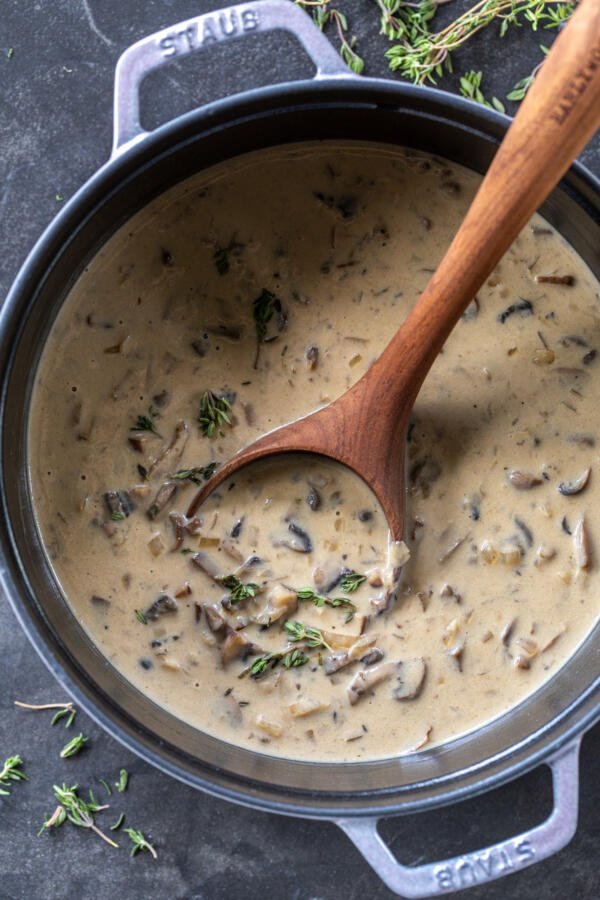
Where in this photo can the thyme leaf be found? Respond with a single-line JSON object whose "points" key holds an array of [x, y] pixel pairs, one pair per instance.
{"points": [[146, 423], [238, 590], [196, 475], [352, 581], [116, 825], [263, 309], [470, 87], [121, 784], [141, 617], [214, 413], [11, 771], [73, 747]]}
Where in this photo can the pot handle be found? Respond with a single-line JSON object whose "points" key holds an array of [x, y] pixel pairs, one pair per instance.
{"points": [[200, 33], [484, 865]]}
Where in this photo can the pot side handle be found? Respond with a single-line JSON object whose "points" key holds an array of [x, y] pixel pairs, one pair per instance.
{"points": [[200, 33], [484, 865]]}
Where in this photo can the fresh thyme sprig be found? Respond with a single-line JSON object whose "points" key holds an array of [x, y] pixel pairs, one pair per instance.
{"points": [[323, 13], [11, 772], [214, 413], [74, 746], [297, 631], [291, 659], [146, 423], [121, 784], [76, 810], [238, 590], [421, 56], [139, 842], [521, 87], [352, 581], [64, 709], [196, 475], [308, 595], [263, 310]]}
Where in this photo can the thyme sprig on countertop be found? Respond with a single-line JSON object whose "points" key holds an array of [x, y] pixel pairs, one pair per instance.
{"points": [[420, 55], [64, 709], [323, 14], [11, 771], [76, 810], [139, 842]]}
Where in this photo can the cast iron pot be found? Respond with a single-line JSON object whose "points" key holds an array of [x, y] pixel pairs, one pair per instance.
{"points": [[547, 727]]}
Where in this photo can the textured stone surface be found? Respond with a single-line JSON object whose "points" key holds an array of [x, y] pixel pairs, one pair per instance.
{"points": [[55, 122]]}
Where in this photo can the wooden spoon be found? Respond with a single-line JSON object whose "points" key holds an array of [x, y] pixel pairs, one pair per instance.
{"points": [[365, 429]]}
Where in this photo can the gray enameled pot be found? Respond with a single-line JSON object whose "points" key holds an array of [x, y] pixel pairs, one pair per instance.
{"points": [[548, 726]]}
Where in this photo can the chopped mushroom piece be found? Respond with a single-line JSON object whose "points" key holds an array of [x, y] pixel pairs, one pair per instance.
{"points": [[281, 601], [367, 679], [273, 729], [576, 485], [306, 706], [208, 565], [523, 481], [119, 504], [235, 646], [581, 545], [156, 544], [410, 679], [297, 540], [355, 652], [163, 604], [214, 619]]}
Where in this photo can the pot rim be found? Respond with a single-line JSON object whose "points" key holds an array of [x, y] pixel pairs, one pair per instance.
{"points": [[108, 181]]}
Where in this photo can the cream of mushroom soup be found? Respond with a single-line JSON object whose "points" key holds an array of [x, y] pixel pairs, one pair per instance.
{"points": [[273, 619]]}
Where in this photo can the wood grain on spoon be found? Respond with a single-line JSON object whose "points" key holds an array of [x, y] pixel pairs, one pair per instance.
{"points": [[365, 429]]}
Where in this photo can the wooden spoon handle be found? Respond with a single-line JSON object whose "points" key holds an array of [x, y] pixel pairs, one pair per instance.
{"points": [[559, 115]]}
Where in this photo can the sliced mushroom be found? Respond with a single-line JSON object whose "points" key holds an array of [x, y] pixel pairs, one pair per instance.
{"points": [[281, 601], [311, 356], [410, 679], [207, 564], [162, 605], [367, 679], [576, 485], [523, 481], [164, 495], [298, 539], [174, 450]]}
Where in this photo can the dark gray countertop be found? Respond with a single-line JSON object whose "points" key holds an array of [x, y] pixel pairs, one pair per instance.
{"points": [[55, 122]]}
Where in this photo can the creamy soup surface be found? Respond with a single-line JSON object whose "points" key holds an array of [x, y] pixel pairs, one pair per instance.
{"points": [[255, 293]]}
